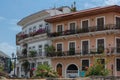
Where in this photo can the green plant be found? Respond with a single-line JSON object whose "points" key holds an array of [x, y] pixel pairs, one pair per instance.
{"points": [[72, 51], [44, 71], [73, 7], [32, 53], [1, 68], [50, 50], [97, 69], [59, 53], [100, 49]]}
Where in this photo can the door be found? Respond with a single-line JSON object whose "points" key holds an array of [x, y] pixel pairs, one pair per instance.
{"points": [[85, 65], [85, 26], [59, 28], [59, 47], [72, 28], [100, 46], [118, 22], [59, 50], [71, 48], [85, 47], [118, 45], [72, 71], [59, 69]]}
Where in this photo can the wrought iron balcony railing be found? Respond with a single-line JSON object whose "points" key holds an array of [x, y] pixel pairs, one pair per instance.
{"points": [[32, 55], [85, 30], [107, 51], [90, 52]]}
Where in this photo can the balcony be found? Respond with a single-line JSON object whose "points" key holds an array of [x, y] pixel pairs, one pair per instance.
{"points": [[85, 30], [78, 53], [21, 36], [91, 52], [32, 54]]}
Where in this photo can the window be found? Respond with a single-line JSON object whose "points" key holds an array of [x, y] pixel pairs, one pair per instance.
{"points": [[46, 45], [71, 48], [118, 64], [72, 26], [29, 48], [59, 47], [40, 50], [100, 23], [45, 62], [34, 28], [30, 30], [85, 47], [118, 45], [59, 28], [40, 26], [118, 22], [85, 65], [46, 23], [32, 65], [33, 48], [85, 25], [100, 46], [39, 63], [25, 31]]}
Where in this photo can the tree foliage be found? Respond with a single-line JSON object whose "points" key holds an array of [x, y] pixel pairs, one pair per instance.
{"points": [[44, 71], [97, 69]]}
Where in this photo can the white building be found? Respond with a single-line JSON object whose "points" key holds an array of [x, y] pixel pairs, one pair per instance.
{"points": [[5, 62], [33, 38]]}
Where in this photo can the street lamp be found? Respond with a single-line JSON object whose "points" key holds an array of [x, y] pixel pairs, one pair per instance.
{"points": [[14, 58]]}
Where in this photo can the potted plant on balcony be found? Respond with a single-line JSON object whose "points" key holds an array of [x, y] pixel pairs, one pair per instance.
{"points": [[50, 50], [72, 51], [59, 53], [22, 36], [40, 31], [32, 53], [100, 49], [32, 34]]}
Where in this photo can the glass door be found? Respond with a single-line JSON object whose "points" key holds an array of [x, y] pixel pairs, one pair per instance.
{"points": [[71, 48], [118, 45], [85, 47], [100, 24], [100, 46]]}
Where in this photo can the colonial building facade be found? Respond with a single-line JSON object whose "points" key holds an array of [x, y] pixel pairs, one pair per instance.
{"points": [[80, 36], [32, 40]]}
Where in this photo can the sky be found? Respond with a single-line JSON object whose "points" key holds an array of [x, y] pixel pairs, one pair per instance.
{"points": [[12, 11]]}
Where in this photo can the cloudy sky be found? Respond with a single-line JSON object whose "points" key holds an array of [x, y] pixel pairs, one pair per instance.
{"points": [[11, 11]]}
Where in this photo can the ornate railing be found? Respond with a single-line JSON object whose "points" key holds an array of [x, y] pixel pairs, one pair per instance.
{"points": [[85, 30], [106, 51], [90, 52], [21, 36]]}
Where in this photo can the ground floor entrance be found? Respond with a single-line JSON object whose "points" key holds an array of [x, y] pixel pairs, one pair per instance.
{"points": [[72, 71]]}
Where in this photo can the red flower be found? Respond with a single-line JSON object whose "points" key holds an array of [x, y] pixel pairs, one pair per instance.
{"points": [[33, 69]]}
